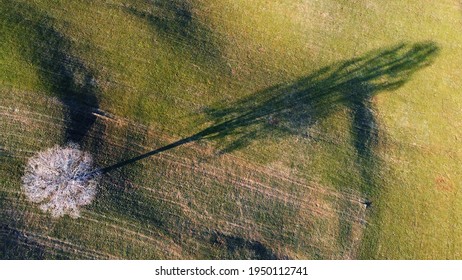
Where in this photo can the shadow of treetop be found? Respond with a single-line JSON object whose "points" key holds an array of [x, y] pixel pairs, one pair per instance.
{"points": [[48, 49], [287, 109]]}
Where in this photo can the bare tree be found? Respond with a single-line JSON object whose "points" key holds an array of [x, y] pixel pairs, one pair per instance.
{"points": [[61, 180]]}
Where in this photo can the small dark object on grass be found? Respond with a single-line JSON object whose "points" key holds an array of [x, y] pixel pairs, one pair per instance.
{"points": [[367, 203]]}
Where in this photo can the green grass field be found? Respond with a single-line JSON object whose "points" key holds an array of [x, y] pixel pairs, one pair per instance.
{"points": [[289, 115]]}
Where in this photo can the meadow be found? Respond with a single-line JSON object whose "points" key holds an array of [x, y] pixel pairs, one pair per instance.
{"points": [[265, 128]]}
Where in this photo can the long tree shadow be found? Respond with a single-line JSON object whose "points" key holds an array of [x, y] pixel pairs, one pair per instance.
{"points": [[15, 245], [64, 74], [236, 247], [175, 21], [288, 109]]}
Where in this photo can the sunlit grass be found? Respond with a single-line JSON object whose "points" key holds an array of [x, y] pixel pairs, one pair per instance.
{"points": [[154, 67]]}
